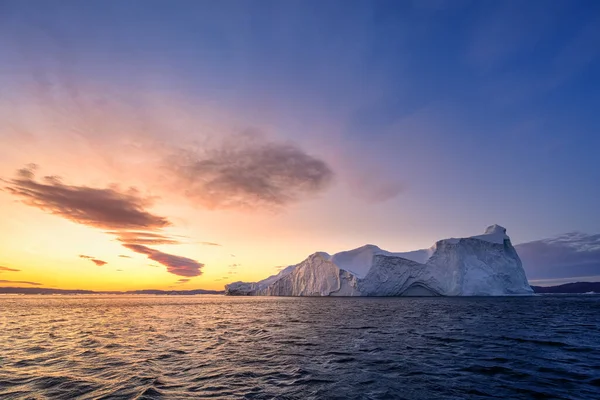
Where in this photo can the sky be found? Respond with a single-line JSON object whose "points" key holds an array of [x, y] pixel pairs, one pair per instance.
{"points": [[189, 144]]}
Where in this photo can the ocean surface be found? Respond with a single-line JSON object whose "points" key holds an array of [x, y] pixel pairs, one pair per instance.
{"points": [[94, 347]]}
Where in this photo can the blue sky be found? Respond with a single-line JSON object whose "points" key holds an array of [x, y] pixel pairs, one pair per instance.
{"points": [[436, 117]]}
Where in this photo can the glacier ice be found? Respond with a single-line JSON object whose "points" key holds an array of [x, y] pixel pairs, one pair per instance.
{"points": [[482, 265]]}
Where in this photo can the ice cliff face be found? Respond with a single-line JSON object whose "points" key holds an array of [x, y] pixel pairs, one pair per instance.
{"points": [[483, 265]]}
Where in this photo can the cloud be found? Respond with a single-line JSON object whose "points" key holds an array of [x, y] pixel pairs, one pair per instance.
{"points": [[123, 214], [177, 265], [124, 256], [107, 208], [209, 244], [183, 280], [8, 269], [21, 282], [373, 190], [119, 270], [137, 237], [569, 255], [248, 171], [93, 259]]}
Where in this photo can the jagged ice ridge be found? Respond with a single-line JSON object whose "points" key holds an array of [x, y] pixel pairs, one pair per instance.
{"points": [[483, 265]]}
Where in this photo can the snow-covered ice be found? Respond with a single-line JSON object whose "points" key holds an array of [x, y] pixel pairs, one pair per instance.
{"points": [[482, 265]]}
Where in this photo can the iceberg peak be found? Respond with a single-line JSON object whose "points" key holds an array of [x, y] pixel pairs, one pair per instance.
{"points": [[493, 234], [495, 229]]}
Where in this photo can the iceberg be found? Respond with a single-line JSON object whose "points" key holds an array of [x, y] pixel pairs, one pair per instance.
{"points": [[482, 265]]}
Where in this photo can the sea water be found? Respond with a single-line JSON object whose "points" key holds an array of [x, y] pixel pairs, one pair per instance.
{"points": [[178, 347]]}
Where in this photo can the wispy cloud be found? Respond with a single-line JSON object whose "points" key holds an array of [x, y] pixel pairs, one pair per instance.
{"points": [[21, 282], [137, 237], [8, 269], [93, 259], [247, 171], [177, 265], [124, 256], [209, 244], [183, 280], [108, 208]]}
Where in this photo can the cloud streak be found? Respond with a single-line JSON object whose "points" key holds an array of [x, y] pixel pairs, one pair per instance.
{"points": [[176, 265], [93, 259], [246, 171], [8, 269], [21, 282], [137, 237], [107, 208]]}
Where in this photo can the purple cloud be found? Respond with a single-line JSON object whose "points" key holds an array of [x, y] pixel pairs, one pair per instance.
{"points": [[177, 265], [108, 208], [93, 259]]}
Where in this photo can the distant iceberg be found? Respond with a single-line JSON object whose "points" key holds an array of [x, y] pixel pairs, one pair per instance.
{"points": [[483, 265]]}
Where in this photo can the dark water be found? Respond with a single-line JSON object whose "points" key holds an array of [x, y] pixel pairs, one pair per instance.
{"points": [[299, 348]]}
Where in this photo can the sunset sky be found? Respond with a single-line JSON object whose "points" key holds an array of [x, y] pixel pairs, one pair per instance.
{"points": [[189, 144]]}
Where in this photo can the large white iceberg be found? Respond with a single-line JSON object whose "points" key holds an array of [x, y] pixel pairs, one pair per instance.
{"points": [[483, 265]]}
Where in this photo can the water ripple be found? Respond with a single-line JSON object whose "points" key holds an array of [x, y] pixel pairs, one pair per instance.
{"points": [[163, 347]]}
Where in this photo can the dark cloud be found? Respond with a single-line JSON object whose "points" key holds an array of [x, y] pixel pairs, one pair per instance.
{"points": [[177, 265], [21, 282], [137, 237], [124, 256], [8, 269], [247, 171], [107, 208], [123, 214], [569, 255]]}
